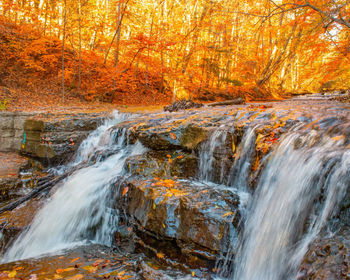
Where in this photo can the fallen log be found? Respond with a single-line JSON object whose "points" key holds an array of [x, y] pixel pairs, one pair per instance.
{"points": [[236, 101], [32, 194], [41, 188]]}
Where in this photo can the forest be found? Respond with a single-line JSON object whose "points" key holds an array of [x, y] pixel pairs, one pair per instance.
{"points": [[175, 139], [156, 51]]}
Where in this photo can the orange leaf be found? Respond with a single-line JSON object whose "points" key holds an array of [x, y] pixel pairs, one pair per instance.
{"points": [[173, 136], [125, 191]]}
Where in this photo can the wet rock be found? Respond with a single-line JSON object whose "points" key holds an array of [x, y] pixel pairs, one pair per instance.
{"points": [[182, 105], [17, 175], [192, 136], [163, 164], [55, 141], [13, 222], [167, 137], [198, 218], [51, 138], [327, 258]]}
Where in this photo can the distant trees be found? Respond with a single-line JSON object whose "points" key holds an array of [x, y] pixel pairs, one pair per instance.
{"points": [[229, 46]]}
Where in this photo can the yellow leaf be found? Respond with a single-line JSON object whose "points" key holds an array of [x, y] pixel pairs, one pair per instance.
{"points": [[76, 277], [12, 274], [160, 255], [56, 276], [227, 214], [90, 268], [338, 138]]}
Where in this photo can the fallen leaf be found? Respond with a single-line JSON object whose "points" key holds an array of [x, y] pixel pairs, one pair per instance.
{"points": [[173, 136], [227, 214], [61, 270], [76, 277], [90, 268], [12, 274], [126, 189]]}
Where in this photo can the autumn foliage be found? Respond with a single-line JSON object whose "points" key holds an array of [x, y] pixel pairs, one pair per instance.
{"points": [[148, 52], [31, 63]]}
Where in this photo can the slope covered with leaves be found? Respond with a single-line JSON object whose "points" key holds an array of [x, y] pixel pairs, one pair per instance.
{"points": [[30, 73]]}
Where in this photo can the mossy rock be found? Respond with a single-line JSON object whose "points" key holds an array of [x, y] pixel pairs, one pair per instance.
{"points": [[192, 136]]}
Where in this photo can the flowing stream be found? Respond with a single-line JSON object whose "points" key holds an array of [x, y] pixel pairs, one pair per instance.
{"points": [[302, 181]]}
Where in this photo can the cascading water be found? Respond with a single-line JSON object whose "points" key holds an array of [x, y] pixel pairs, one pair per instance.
{"points": [[283, 215], [78, 210], [207, 157], [240, 170], [299, 187]]}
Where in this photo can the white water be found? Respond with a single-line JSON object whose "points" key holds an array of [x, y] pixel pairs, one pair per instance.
{"points": [[283, 217], [78, 211], [100, 139], [207, 156], [241, 168], [284, 206]]}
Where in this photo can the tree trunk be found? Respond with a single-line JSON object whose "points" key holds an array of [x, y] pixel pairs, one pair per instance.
{"points": [[63, 47], [79, 67]]}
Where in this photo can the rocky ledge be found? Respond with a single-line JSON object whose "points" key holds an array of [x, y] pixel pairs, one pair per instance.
{"points": [[49, 138], [165, 211]]}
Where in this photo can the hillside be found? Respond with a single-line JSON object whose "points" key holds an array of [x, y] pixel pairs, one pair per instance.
{"points": [[31, 70]]}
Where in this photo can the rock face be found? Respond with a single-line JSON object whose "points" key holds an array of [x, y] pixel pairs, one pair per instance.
{"points": [[232, 145], [49, 138], [163, 164], [199, 219], [11, 130], [17, 175], [12, 223]]}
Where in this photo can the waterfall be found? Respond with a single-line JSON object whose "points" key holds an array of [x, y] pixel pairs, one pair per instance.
{"points": [[207, 157], [79, 209], [301, 182], [287, 211], [241, 168], [214, 165]]}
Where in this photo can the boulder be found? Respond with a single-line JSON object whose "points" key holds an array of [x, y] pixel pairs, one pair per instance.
{"points": [[199, 219], [167, 137], [163, 164]]}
